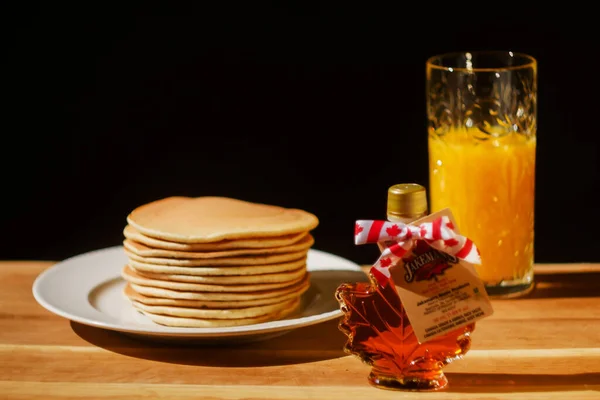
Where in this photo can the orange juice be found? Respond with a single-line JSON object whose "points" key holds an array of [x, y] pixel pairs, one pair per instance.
{"points": [[489, 186]]}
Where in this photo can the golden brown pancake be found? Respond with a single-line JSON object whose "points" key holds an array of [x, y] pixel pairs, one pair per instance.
{"points": [[161, 292], [131, 276], [286, 276], [232, 261], [224, 270], [213, 313], [264, 242], [186, 322], [142, 250], [212, 219], [132, 295]]}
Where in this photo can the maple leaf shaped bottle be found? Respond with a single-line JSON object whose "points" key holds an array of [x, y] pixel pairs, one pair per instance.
{"points": [[378, 329]]}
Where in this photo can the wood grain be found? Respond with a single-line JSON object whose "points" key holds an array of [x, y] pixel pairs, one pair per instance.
{"points": [[545, 346]]}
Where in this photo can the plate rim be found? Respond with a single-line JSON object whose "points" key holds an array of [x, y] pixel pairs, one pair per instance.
{"points": [[165, 331]]}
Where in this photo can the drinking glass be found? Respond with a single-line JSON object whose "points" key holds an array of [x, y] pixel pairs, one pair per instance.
{"points": [[481, 109]]}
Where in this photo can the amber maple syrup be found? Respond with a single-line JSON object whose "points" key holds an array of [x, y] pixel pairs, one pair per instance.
{"points": [[378, 329]]}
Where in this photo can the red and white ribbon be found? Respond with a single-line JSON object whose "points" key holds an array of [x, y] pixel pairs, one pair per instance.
{"points": [[439, 234]]}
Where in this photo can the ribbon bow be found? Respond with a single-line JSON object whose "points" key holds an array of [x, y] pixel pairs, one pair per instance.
{"points": [[439, 234]]}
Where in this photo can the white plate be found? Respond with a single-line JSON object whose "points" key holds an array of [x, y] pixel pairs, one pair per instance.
{"points": [[88, 289]]}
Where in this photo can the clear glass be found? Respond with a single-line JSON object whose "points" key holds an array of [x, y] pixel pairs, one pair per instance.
{"points": [[481, 109]]}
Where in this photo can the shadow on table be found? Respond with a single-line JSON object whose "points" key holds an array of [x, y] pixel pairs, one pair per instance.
{"points": [[309, 344], [510, 383], [312, 343], [577, 284]]}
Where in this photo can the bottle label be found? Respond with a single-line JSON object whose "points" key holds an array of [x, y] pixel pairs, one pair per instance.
{"points": [[439, 291]]}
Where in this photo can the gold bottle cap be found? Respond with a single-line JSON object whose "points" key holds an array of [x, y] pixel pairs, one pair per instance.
{"points": [[406, 200]]}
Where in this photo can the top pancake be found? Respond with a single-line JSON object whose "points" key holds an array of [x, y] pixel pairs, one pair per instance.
{"points": [[212, 219]]}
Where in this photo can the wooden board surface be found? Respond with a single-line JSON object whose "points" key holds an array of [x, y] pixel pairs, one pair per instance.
{"points": [[546, 346]]}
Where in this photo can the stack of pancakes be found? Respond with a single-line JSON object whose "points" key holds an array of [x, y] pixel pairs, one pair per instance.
{"points": [[216, 261]]}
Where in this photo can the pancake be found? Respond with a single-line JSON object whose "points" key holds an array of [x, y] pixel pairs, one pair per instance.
{"points": [[227, 313], [226, 270], [286, 276], [264, 242], [131, 276], [142, 250], [207, 262], [132, 295], [212, 219], [158, 292], [207, 323]]}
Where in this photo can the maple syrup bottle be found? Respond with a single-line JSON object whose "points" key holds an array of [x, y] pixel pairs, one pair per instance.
{"points": [[378, 329]]}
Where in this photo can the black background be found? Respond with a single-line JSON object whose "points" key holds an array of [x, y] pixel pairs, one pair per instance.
{"points": [[320, 108]]}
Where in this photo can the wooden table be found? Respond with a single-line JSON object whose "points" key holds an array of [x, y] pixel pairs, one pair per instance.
{"points": [[546, 346]]}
